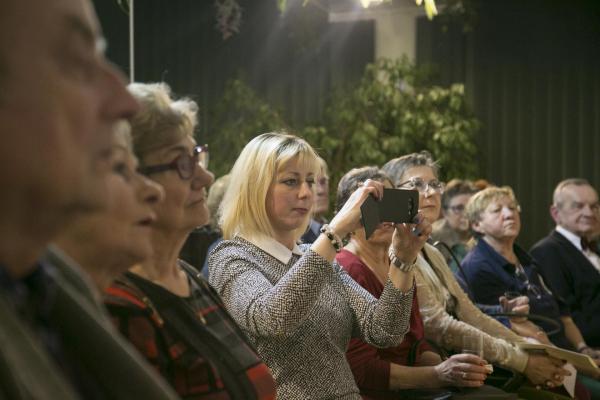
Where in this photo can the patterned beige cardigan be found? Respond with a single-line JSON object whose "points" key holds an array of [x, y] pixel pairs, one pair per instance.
{"points": [[439, 292]]}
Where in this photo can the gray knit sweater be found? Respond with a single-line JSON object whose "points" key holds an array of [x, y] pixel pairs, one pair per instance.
{"points": [[301, 316]]}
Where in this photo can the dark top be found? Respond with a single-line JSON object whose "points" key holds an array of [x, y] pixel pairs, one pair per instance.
{"points": [[371, 365], [33, 298], [490, 275], [159, 324], [574, 279]]}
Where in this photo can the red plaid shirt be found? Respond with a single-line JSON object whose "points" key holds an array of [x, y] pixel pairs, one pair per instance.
{"points": [[192, 376]]}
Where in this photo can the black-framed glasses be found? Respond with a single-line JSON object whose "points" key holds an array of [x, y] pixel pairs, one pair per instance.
{"points": [[457, 209], [422, 186], [185, 164], [531, 288]]}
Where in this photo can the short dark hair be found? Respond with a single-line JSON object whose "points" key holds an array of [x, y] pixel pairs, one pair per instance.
{"points": [[352, 179], [454, 188], [398, 166]]}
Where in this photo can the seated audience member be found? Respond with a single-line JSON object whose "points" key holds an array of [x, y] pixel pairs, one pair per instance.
{"points": [[162, 305], [213, 202], [298, 309], [447, 312], [453, 227], [453, 230], [569, 266], [497, 265], [59, 100], [379, 373], [321, 205], [107, 242]]}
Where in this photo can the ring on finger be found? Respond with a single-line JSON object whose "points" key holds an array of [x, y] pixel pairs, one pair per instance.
{"points": [[464, 375]]}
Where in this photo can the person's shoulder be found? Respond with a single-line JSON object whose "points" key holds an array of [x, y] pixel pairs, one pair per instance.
{"points": [[234, 248], [547, 244], [122, 293]]}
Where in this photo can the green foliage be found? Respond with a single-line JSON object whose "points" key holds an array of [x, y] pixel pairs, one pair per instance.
{"points": [[394, 111], [238, 117]]}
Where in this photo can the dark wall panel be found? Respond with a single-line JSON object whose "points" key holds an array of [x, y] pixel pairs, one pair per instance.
{"points": [[292, 60], [531, 70]]}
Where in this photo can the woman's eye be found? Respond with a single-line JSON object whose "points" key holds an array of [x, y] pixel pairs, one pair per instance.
{"points": [[310, 182], [290, 182], [122, 170]]}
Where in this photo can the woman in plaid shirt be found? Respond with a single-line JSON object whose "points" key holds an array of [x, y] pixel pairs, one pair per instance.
{"points": [[167, 311]]}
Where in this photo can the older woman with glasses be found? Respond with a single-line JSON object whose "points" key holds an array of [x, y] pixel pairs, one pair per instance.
{"points": [[447, 312], [162, 305], [299, 308], [453, 228], [497, 266], [380, 373]]}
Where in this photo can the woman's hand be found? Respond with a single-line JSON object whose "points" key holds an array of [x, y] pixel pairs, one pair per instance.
{"points": [[527, 328], [409, 239], [462, 370], [544, 370], [348, 218], [593, 353]]}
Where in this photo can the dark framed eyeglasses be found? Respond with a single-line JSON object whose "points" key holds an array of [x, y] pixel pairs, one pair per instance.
{"points": [[185, 164], [422, 186], [457, 209], [532, 289]]}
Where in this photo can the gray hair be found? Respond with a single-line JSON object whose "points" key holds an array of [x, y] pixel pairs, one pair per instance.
{"points": [[557, 196], [397, 167], [352, 180]]}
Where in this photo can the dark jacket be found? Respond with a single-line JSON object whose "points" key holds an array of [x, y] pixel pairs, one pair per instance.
{"points": [[27, 371], [573, 278]]}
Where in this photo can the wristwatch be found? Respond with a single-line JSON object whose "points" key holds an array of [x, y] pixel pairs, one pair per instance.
{"points": [[404, 267]]}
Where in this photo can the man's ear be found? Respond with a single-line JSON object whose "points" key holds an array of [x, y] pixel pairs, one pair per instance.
{"points": [[554, 211]]}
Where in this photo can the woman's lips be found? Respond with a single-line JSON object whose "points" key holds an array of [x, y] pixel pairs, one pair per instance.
{"points": [[148, 221]]}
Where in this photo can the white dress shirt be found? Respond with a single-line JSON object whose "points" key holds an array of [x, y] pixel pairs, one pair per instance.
{"points": [[576, 241]]}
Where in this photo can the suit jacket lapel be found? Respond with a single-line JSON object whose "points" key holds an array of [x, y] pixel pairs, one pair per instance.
{"points": [[578, 257]]}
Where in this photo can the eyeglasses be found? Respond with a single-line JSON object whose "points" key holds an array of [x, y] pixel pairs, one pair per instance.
{"points": [[323, 181], [532, 289], [185, 164], [422, 186], [457, 209]]}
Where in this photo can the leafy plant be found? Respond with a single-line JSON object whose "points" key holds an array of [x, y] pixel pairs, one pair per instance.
{"points": [[239, 116], [395, 111], [392, 111]]}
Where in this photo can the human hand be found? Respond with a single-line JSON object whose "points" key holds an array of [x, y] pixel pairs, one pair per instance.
{"points": [[545, 370], [526, 328], [518, 304], [409, 239], [593, 353], [462, 370], [348, 218]]}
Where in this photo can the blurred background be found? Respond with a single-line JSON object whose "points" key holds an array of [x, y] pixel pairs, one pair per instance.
{"points": [[505, 90]]}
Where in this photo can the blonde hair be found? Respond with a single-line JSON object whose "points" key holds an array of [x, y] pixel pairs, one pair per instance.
{"points": [[162, 121], [482, 199], [243, 209]]}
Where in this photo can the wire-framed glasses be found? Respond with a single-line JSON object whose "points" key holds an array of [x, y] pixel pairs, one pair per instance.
{"points": [[422, 186]]}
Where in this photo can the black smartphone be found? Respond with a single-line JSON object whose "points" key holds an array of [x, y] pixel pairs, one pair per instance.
{"points": [[396, 205]]}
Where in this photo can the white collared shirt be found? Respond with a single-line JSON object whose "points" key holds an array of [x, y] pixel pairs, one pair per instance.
{"points": [[576, 241], [273, 247]]}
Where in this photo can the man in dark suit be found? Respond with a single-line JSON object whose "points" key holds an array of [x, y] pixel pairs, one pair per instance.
{"points": [[568, 264]]}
